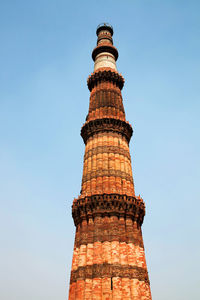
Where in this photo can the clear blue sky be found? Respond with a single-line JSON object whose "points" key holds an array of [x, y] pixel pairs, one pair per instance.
{"points": [[45, 59]]}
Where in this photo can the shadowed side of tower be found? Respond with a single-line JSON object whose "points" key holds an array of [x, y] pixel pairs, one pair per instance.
{"points": [[108, 258]]}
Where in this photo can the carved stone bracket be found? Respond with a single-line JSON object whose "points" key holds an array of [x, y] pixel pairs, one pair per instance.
{"points": [[105, 75], [108, 205], [106, 124]]}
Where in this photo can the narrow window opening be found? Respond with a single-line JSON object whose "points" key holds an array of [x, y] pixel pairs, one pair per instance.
{"points": [[111, 283]]}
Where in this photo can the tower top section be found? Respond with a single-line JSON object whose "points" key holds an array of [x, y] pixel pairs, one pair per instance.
{"points": [[105, 54], [104, 27]]}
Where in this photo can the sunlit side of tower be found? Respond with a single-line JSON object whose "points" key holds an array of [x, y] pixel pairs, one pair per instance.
{"points": [[108, 258]]}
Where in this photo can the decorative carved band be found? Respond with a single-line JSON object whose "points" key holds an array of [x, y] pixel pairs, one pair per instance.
{"points": [[108, 205], [107, 173], [109, 232], [109, 270], [105, 48], [84, 240], [105, 75], [106, 124], [107, 149]]}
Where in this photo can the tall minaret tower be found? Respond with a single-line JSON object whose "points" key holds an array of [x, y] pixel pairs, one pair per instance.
{"points": [[108, 259]]}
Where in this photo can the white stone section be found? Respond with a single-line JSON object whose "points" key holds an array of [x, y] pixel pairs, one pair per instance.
{"points": [[105, 60]]}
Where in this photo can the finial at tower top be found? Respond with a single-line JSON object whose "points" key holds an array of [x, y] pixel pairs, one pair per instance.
{"points": [[104, 26]]}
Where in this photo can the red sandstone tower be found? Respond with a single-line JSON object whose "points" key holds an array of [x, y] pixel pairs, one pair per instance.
{"points": [[108, 259]]}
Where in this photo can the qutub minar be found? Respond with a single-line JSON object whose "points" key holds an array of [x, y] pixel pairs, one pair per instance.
{"points": [[108, 258]]}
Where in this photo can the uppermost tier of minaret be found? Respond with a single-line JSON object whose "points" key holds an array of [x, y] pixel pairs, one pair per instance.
{"points": [[105, 54], [105, 26], [104, 33]]}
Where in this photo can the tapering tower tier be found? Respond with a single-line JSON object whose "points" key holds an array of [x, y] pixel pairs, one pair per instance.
{"points": [[108, 259]]}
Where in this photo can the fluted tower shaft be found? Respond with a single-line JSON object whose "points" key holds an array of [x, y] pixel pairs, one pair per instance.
{"points": [[108, 259]]}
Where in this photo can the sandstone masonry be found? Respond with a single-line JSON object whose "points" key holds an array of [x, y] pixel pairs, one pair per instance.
{"points": [[108, 258]]}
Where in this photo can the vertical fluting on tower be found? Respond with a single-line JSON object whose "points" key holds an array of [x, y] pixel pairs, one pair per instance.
{"points": [[108, 258]]}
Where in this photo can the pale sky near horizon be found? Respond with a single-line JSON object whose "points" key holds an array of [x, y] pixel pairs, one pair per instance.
{"points": [[45, 59]]}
